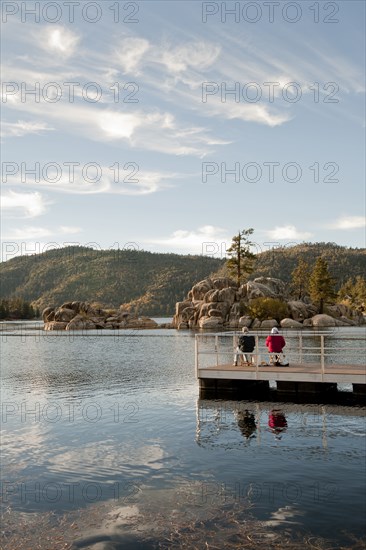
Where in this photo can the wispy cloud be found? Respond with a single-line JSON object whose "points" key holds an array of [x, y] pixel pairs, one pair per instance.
{"points": [[153, 130], [31, 232], [23, 128], [130, 53], [288, 232], [58, 41], [29, 205], [126, 179], [207, 239], [349, 222]]}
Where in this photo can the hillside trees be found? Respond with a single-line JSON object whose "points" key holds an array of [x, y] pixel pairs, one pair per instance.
{"points": [[321, 284]]}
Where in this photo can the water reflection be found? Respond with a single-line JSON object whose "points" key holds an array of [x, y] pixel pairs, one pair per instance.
{"points": [[246, 423], [230, 424], [277, 422]]}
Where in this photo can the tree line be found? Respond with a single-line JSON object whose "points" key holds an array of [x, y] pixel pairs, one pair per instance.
{"points": [[17, 308]]}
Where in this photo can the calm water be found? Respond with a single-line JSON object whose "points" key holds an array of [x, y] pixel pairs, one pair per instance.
{"points": [[97, 423]]}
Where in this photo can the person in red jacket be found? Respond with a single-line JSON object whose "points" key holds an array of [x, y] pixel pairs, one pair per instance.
{"points": [[275, 344]]}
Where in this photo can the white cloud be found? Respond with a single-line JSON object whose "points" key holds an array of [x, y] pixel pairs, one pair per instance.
{"points": [[28, 205], [59, 40], [119, 125], [22, 128], [27, 233], [349, 222], [126, 179], [288, 232], [131, 52], [207, 240], [196, 55]]}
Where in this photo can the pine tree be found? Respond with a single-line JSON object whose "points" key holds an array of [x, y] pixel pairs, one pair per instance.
{"points": [[353, 292], [300, 279], [321, 284], [241, 259]]}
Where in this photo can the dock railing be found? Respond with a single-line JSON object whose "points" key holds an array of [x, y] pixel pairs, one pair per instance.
{"points": [[322, 348]]}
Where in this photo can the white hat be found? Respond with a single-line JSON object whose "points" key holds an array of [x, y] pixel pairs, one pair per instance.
{"points": [[274, 330]]}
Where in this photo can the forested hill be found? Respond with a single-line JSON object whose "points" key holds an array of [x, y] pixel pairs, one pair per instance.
{"points": [[151, 283], [343, 262], [279, 262]]}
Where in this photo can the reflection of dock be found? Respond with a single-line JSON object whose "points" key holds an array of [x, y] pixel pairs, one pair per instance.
{"points": [[218, 426], [342, 364]]}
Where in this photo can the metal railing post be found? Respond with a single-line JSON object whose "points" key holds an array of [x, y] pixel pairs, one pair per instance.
{"points": [[322, 355], [257, 354], [217, 349], [196, 353], [300, 348]]}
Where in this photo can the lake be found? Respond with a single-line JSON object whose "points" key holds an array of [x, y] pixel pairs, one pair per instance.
{"points": [[107, 445]]}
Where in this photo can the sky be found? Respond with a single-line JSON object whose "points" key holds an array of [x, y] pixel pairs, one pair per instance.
{"points": [[170, 125]]}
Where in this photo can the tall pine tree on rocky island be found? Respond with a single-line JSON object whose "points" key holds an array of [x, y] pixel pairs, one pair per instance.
{"points": [[241, 259]]}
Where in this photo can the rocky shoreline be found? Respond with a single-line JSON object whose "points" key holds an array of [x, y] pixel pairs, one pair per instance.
{"points": [[83, 316], [211, 304], [221, 304]]}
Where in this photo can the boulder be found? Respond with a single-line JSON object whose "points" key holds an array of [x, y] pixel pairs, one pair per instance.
{"points": [[227, 295], [199, 290], [187, 313], [290, 323], [232, 323], [275, 286], [340, 323], [66, 305], [47, 314], [223, 307], [256, 324], [308, 322], [349, 322], [212, 296], [300, 311], [180, 306], [243, 290], [211, 323], [224, 282], [55, 325], [215, 313], [323, 320], [258, 290], [245, 321], [64, 314], [235, 309], [80, 323]]}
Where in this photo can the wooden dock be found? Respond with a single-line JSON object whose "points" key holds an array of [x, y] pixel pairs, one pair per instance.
{"points": [[321, 376], [310, 372]]}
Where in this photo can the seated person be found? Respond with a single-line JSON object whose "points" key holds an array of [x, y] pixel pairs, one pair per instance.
{"points": [[246, 345], [275, 344]]}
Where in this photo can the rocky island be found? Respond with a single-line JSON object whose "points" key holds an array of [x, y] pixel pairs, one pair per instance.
{"points": [[83, 316], [221, 304]]}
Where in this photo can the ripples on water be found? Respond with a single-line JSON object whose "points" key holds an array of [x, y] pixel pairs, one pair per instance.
{"points": [[94, 425]]}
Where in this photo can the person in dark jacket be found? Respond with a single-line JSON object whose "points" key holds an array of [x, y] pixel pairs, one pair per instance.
{"points": [[246, 345]]}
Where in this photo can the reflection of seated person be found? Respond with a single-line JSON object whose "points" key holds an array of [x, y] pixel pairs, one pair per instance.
{"points": [[246, 423], [277, 422], [275, 343], [245, 348]]}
